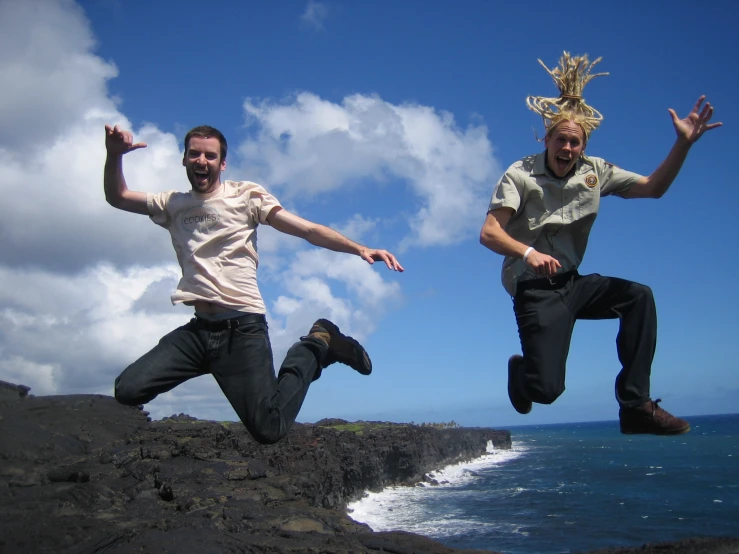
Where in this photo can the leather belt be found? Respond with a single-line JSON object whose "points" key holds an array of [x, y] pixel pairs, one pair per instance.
{"points": [[547, 283], [226, 324]]}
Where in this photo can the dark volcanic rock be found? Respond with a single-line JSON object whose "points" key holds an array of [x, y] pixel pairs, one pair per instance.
{"points": [[83, 474], [9, 391]]}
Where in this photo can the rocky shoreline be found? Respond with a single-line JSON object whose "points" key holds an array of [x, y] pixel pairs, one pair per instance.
{"points": [[81, 474]]}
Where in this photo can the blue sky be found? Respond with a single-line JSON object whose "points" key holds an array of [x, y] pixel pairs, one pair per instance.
{"points": [[390, 121]]}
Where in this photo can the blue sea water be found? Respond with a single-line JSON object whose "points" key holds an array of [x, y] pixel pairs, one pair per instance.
{"points": [[576, 487]]}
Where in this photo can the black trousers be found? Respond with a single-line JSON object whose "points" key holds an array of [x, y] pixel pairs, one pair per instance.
{"points": [[546, 312], [239, 355]]}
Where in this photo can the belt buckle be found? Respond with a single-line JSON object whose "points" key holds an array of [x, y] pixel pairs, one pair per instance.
{"points": [[552, 280]]}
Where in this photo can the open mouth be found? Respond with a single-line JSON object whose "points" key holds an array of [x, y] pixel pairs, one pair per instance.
{"points": [[562, 163]]}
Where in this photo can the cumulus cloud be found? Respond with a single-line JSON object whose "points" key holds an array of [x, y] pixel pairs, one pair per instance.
{"points": [[52, 114], [310, 145], [47, 68], [308, 281], [61, 220], [85, 288], [314, 15], [64, 333]]}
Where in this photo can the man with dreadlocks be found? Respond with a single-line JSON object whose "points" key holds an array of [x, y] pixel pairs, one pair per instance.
{"points": [[539, 218]]}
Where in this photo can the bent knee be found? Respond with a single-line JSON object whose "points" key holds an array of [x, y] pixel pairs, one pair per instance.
{"points": [[266, 438], [128, 396], [642, 292], [267, 431]]}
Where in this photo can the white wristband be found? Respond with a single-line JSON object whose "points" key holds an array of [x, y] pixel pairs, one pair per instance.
{"points": [[526, 254]]}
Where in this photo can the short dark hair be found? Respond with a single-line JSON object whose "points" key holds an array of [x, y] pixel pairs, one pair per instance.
{"points": [[206, 131]]}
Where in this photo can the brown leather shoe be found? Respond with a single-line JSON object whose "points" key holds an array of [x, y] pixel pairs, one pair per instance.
{"points": [[341, 348], [521, 404], [650, 419]]}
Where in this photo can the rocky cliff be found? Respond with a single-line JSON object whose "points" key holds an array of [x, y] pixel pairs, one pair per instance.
{"points": [[82, 474]]}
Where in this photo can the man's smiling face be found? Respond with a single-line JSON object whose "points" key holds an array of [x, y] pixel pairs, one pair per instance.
{"points": [[203, 164], [564, 145]]}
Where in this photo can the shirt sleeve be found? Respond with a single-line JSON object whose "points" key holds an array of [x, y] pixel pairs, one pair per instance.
{"points": [[615, 180], [506, 193], [156, 203], [261, 203]]}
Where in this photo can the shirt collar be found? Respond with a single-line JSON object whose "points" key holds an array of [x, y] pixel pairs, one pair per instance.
{"points": [[540, 164]]}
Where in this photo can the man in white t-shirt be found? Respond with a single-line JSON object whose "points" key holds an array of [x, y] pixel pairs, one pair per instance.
{"points": [[213, 231]]}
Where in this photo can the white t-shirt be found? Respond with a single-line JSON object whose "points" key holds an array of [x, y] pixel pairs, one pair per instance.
{"points": [[214, 236]]}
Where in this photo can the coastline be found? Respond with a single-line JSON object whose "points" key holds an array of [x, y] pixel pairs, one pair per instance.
{"points": [[81, 474], [376, 508]]}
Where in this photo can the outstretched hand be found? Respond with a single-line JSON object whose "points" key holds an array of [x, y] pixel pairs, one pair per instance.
{"points": [[370, 255], [696, 123], [119, 142]]}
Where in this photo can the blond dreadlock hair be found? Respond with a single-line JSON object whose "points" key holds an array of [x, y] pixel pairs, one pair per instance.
{"points": [[573, 73]]}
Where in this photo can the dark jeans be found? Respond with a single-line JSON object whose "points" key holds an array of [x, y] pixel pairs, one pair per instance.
{"points": [[240, 359], [546, 313]]}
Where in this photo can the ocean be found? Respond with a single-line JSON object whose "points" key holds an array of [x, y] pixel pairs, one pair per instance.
{"points": [[575, 487]]}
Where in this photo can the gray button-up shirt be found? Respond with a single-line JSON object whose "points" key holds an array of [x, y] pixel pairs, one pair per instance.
{"points": [[551, 214]]}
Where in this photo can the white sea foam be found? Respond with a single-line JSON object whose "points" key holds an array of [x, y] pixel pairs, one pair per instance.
{"points": [[403, 508]]}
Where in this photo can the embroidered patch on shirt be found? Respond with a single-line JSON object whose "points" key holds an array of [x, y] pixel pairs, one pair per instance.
{"points": [[591, 180]]}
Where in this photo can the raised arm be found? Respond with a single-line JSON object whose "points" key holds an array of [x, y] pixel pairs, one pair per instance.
{"points": [[117, 143], [494, 237], [688, 130], [325, 237]]}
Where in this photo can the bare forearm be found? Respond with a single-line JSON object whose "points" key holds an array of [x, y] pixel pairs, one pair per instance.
{"points": [[325, 237], [662, 177], [114, 183], [500, 242], [494, 237], [116, 191]]}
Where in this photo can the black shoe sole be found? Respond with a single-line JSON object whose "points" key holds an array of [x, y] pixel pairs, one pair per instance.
{"points": [[670, 433]]}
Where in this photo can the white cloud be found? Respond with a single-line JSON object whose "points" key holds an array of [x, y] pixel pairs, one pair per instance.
{"points": [[52, 114], [311, 145], [62, 221], [357, 227], [40, 377], [315, 14], [311, 283], [47, 69], [79, 329], [75, 301]]}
